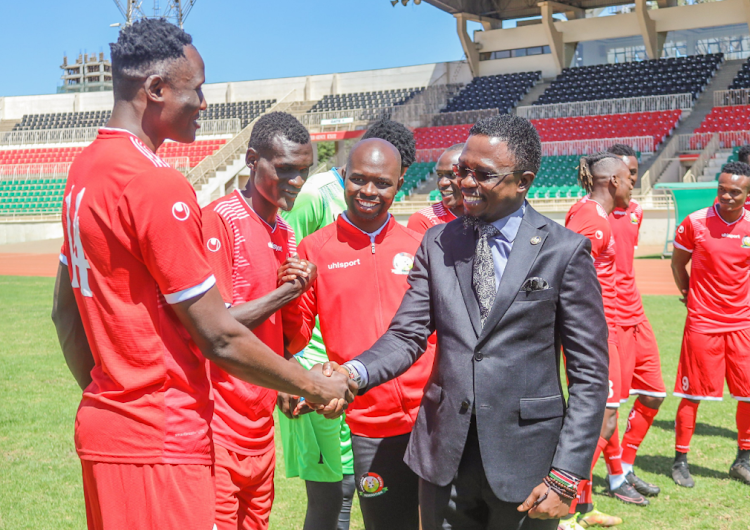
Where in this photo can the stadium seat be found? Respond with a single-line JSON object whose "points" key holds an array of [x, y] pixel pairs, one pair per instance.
{"points": [[365, 100], [673, 75], [721, 119], [500, 92], [246, 111]]}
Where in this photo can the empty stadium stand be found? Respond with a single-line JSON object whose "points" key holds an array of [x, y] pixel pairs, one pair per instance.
{"points": [[50, 155], [674, 75], [195, 151], [365, 100], [742, 79], [557, 177], [33, 196], [658, 124], [720, 119], [501, 92], [440, 137], [246, 111], [416, 174]]}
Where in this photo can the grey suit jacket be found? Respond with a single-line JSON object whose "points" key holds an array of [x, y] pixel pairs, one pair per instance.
{"points": [[508, 371]]}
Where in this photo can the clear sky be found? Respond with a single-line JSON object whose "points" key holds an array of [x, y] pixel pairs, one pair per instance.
{"points": [[239, 39]]}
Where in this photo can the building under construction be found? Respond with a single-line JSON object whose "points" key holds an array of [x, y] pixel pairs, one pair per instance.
{"points": [[90, 73]]}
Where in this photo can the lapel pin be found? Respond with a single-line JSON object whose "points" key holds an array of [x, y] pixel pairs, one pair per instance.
{"points": [[536, 240]]}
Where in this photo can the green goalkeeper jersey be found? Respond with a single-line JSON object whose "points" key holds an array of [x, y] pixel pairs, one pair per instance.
{"points": [[319, 203]]}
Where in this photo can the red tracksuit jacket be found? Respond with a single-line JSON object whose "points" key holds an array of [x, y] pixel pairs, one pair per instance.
{"points": [[359, 287]]}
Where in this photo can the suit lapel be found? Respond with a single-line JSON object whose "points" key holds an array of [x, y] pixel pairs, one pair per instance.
{"points": [[462, 250], [522, 257]]}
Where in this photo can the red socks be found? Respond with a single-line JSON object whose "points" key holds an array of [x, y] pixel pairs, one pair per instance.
{"points": [[639, 422], [743, 425], [582, 503], [684, 424], [612, 453]]}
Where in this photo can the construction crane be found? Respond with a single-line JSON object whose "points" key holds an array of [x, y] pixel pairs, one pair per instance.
{"points": [[176, 11]]}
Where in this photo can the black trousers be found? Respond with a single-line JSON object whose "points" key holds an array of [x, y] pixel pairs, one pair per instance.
{"points": [[386, 487], [468, 503]]}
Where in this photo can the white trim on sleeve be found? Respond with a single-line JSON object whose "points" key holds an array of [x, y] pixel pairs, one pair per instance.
{"points": [[191, 292], [675, 243], [63, 259]]}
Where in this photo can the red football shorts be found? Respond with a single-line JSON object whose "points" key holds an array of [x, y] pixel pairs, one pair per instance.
{"points": [[148, 496], [244, 489], [706, 359], [639, 361], [615, 376]]}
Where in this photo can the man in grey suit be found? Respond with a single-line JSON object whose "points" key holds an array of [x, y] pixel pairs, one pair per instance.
{"points": [[505, 289]]}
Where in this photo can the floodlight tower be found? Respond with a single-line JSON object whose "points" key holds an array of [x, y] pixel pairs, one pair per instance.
{"points": [[175, 11]]}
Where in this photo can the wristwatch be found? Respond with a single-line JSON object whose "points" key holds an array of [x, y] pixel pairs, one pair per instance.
{"points": [[354, 375]]}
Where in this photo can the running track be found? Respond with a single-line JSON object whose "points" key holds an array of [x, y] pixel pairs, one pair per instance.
{"points": [[653, 276]]}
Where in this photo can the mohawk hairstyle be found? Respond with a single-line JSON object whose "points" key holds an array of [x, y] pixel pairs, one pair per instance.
{"points": [[274, 124], [587, 168], [622, 150], [398, 135], [520, 135], [744, 154], [141, 47], [736, 168]]}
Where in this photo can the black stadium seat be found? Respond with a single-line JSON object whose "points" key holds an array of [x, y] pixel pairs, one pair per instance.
{"points": [[246, 111], [365, 100], [500, 92], [674, 75]]}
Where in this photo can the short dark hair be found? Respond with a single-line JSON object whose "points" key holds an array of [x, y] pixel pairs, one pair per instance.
{"points": [[743, 155], [398, 135], [520, 135], [736, 168], [622, 150], [141, 46], [274, 124]]}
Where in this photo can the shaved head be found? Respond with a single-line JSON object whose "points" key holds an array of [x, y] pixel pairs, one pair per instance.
{"points": [[374, 151]]}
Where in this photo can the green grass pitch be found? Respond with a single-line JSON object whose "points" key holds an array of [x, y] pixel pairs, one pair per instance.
{"points": [[40, 483]]}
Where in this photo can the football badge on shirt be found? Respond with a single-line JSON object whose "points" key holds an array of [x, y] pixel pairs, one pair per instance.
{"points": [[372, 485], [402, 263], [746, 242], [633, 218]]}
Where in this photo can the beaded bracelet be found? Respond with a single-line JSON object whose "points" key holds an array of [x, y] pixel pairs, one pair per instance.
{"points": [[564, 484]]}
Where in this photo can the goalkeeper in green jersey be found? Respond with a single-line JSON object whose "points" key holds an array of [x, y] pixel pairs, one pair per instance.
{"points": [[316, 449]]}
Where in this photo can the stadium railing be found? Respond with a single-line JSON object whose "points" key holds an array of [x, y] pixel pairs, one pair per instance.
{"points": [[727, 139], [201, 173], [460, 117], [607, 106], [642, 144], [88, 134], [696, 170], [666, 157], [27, 171], [732, 97]]}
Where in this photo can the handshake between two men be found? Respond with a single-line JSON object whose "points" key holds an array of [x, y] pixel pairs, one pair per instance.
{"points": [[294, 406]]}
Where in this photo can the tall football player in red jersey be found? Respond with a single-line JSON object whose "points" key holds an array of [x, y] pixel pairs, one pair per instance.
{"points": [[451, 205], [247, 242], [606, 178], [136, 307], [716, 340], [639, 353]]}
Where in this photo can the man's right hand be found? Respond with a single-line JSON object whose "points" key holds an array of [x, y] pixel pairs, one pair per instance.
{"points": [[333, 392], [684, 296], [299, 272]]}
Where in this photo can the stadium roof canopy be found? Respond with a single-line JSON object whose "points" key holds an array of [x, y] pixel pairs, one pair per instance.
{"points": [[511, 9]]}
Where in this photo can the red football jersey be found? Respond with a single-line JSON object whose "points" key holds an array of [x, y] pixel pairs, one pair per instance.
{"points": [[426, 218], [719, 295], [588, 218], [133, 245], [246, 253], [625, 227]]}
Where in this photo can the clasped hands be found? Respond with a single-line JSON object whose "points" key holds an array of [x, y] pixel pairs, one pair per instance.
{"points": [[338, 390]]}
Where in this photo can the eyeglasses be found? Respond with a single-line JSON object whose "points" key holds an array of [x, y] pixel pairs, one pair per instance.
{"points": [[480, 176]]}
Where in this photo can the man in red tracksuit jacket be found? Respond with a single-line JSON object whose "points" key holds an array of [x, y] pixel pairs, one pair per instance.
{"points": [[363, 261]]}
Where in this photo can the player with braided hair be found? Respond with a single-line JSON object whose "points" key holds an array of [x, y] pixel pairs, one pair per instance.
{"points": [[639, 353], [605, 177]]}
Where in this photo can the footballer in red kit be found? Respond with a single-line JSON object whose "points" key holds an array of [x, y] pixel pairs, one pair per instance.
{"points": [[640, 364], [136, 309], [716, 341], [247, 242], [451, 205]]}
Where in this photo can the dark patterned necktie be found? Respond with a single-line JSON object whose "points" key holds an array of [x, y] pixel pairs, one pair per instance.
{"points": [[483, 277]]}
